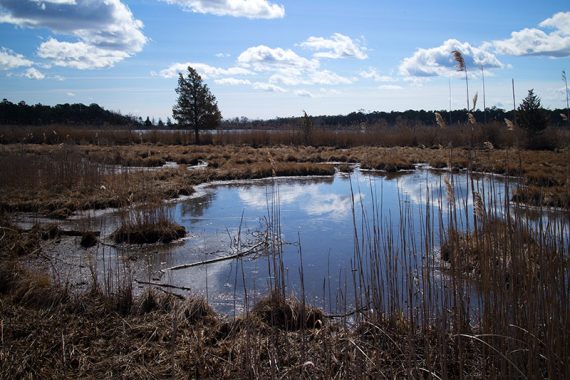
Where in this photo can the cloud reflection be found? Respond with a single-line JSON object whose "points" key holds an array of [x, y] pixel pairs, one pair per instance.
{"points": [[313, 199]]}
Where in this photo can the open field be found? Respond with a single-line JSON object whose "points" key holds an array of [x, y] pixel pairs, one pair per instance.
{"points": [[49, 330]]}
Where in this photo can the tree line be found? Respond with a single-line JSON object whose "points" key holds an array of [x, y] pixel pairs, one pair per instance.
{"points": [[363, 119], [66, 114]]}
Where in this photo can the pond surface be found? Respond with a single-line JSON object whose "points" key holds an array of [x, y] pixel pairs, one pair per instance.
{"points": [[327, 223]]}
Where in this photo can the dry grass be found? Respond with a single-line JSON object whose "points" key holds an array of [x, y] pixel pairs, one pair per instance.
{"points": [[162, 336], [405, 329], [146, 225], [58, 181]]}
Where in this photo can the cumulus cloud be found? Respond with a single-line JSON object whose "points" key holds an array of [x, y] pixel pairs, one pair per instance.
{"points": [[237, 8], [336, 46], [287, 67], [33, 73], [79, 55], [373, 74], [232, 81], [439, 62], [107, 31], [11, 60], [532, 41], [268, 87], [264, 58], [206, 71], [299, 77]]}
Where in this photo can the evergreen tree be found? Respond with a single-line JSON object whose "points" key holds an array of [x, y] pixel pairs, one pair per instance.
{"points": [[531, 116], [196, 107]]}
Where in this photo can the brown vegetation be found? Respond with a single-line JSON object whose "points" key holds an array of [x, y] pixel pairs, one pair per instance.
{"points": [[57, 180], [401, 327]]}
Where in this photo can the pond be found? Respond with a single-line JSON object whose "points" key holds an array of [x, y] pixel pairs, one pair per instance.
{"points": [[333, 231]]}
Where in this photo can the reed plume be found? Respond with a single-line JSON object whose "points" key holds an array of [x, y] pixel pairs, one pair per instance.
{"points": [[471, 119], [458, 57], [449, 190], [439, 120], [479, 208], [475, 101], [510, 125]]}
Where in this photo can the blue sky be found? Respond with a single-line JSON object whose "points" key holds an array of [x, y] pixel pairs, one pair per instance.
{"points": [[264, 59]]}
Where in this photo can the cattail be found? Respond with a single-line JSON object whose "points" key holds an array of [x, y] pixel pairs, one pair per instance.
{"points": [[439, 120], [510, 125], [471, 119], [475, 101], [458, 57], [479, 208]]}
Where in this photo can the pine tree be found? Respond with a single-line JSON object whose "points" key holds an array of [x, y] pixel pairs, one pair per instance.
{"points": [[196, 107], [531, 116]]}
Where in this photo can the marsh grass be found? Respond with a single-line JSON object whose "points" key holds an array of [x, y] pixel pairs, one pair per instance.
{"points": [[147, 224], [498, 309]]}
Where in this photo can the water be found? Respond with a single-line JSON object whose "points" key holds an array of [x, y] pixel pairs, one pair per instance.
{"points": [[318, 216], [317, 220]]}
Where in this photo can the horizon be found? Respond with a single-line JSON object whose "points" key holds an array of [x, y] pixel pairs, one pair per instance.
{"points": [[327, 58]]}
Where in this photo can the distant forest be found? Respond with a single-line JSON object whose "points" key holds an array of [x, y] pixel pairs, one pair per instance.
{"points": [[66, 114], [375, 119], [94, 115]]}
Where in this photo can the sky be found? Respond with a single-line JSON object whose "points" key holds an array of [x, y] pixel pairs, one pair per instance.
{"points": [[277, 58]]}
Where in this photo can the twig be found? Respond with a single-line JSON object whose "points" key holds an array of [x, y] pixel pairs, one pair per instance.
{"points": [[218, 259], [162, 285]]}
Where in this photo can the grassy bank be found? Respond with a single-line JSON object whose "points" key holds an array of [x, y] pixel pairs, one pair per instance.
{"points": [[57, 180]]}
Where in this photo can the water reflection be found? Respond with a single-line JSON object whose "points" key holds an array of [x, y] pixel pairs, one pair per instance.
{"points": [[313, 199], [320, 214]]}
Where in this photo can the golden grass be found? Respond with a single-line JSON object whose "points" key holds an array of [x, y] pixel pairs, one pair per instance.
{"points": [[95, 186], [162, 336]]}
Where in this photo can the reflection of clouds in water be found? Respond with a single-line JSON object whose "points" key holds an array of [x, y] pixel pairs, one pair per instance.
{"points": [[417, 187], [312, 199]]}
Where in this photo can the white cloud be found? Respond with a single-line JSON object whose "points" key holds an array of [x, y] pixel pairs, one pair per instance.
{"points": [[438, 61], [308, 77], [107, 31], [391, 87], [264, 58], [205, 70], [223, 55], [329, 92], [33, 73], [232, 81], [237, 8], [268, 87], [11, 60], [79, 55], [337, 46], [538, 42], [373, 74], [71, 94], [304, 93]]}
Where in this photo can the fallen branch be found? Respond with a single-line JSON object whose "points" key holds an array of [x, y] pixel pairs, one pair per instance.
{"points": [[162, 285], [218, 259]]}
